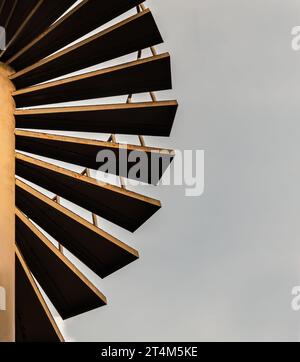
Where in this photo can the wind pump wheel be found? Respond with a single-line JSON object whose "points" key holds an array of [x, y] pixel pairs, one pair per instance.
{"points": [[44, 43]]}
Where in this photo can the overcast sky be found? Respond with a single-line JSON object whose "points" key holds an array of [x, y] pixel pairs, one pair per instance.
{"points": [[219, 267]]}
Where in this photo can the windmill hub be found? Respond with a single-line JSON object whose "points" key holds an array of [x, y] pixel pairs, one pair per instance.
{"points": [[7, 194]]}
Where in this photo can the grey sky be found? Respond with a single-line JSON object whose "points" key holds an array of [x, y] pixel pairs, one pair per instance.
{"points": [[220, 267]]}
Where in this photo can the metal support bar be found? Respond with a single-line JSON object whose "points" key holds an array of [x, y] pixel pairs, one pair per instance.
{"points": [[87, 172], [57, 200]]}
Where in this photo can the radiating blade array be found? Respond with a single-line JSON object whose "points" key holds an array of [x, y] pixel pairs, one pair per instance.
{"points": [[49, 47]]}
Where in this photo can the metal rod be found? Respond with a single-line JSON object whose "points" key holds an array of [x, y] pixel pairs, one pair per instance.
{"points": [[113, 139], [2, 6], [143, 7], [7, 210], [94, 216], [56, 199], [87, 172], [153, 97], [142, 141], [10, 14]]}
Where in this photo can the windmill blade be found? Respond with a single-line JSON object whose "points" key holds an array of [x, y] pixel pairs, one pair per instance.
{"points": [[137, 32], [34, 322], [153, 161], [149, 74], [20, 13], [101, 252], [68, 290], [124, 208], [149, 118], [44, 14], [84, 18]]}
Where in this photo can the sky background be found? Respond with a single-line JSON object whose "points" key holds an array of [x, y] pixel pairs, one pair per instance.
{"points": [[220, 267]]}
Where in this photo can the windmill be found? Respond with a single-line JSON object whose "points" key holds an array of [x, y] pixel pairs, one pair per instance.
{"points": [[43, 47]]}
